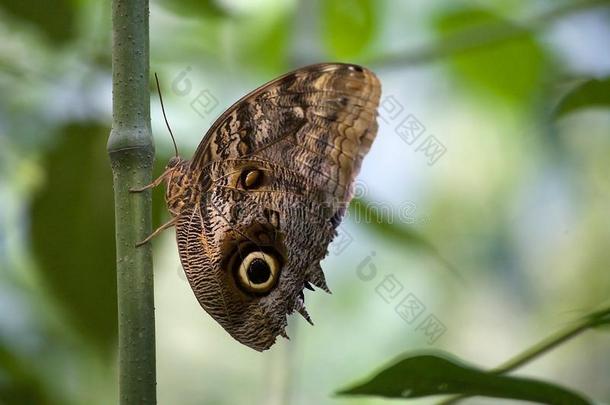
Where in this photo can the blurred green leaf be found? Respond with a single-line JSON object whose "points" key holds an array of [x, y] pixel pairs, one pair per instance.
{"points": [[439, 374], [73, 232], [264, 40], [18, 382], [200, 8], [56, 19], [600, 319], [511, 68], [348, 26], [590, 94], [361, 208]]}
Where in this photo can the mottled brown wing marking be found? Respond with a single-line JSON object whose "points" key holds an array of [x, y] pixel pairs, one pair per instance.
{"points": [[279, 179], [303, 136], [300, 164], [195, 257], [318, 121], [216, 168]]}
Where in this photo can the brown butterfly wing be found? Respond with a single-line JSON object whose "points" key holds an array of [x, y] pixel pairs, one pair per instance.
{"points": [[306, 133], [319, 121]]}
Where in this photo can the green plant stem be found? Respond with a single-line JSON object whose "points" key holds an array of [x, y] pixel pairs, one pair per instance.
{"points": [[131, 151], [544, 346]]}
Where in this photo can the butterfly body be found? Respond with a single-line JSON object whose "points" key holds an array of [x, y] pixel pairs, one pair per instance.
{"points": [[259, 203]]}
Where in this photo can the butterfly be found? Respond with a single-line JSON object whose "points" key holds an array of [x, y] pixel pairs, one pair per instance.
{"points": [[258, 204]]}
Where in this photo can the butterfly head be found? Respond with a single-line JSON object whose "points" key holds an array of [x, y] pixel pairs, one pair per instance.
{"points": [[174, 161]]}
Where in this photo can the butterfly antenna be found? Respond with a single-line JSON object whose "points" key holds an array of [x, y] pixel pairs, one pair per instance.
{"points": [[164, 116]]}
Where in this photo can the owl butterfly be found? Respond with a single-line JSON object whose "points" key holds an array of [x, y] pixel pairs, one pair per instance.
{"points": [[259, 203]]}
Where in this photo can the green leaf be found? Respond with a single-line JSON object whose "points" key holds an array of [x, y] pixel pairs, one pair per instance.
{"points": [[439, 374], [264, 40], [600, 319], [511, 69], [590, 94], [190, 8], [361, 208], [56, 19], [72, 232], [348, 26], [19, 383]]}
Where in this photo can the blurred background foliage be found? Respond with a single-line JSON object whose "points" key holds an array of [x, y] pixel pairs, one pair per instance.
{"points": [[516, 91]]}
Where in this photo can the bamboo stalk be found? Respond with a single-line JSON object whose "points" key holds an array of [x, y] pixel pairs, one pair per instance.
{"points": [[131, 151]]}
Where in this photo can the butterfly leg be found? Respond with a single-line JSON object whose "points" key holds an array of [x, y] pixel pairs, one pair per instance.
{"points": [[154, 184], [158, 231]]}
